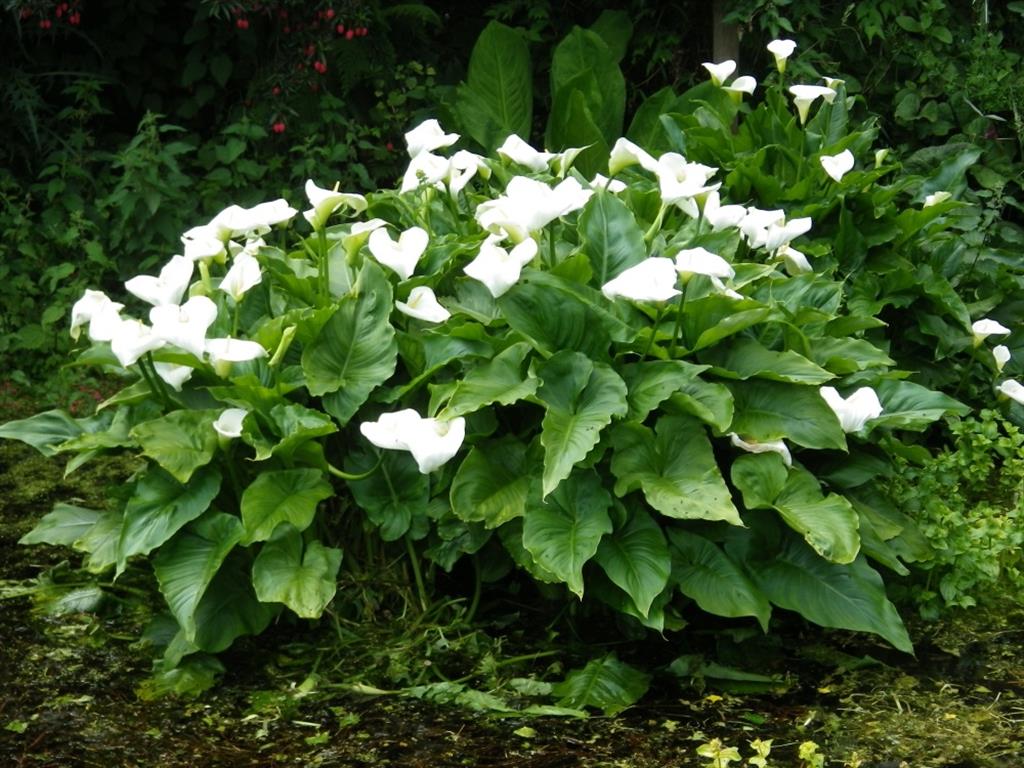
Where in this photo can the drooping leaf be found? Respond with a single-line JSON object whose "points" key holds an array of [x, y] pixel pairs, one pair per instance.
{"points": [[64, 526], [301, 577], [845, 596], [229, 608], [159, 507], [44, 431], [709, 576], [606, 684], [675, 468], [906, 405], [186, 564], [746, 358], [760, 478], [394, 495], [282, 496], [768, 410], [355, 350], [650, 383], [828, 523], [180, 442], [492, 482], [636, 559], [581, 398], [610, 237], [501, 380], [563, 531]]}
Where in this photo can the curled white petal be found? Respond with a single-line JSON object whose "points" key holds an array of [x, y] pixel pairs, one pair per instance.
{"points": [[234, 350], [935, 198], [741, 85], [431, 442], [185, 326], [982, 329], [1001, 354], [102, 315], [425, 168], [400, 256], [518, 151], [168, 287], [132, 340], [720, 72], [625, 153], [653, 279], [423, 305], [854, 411], [428, 136], [701, 261], [499, 269], [767, 446], [794, 261], [1012, 389], [327, 201], [781, 50], [805, 95], [175, 375], [229, 423], [244, 274], [837, 166]]}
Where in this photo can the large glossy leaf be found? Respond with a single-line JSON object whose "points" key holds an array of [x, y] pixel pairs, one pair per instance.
{"points": [[303, 578], [180, 442], [717, 584], [768, 410], [393, 495], [283, 496], [828, 523], [582, 63], [501, 380], [610, 237], [580, 398], [553, 319], [746, 358], [636, 559], [355, 350], [652, 382], [760, 478], [564, 531], [906, 405], [492, 482], [616, 28], [186, 565], [497, 99], [159, 507], [64, 526], [229, 608], [294, 424], [710, 319], [846, 596], [606, 684], [44, 431], [575, 121], [675, 468]]}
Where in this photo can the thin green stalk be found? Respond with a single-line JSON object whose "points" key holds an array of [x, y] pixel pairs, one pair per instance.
{"points": [[679, 323], [417, 574], [656, 224], [477, 589], [204, 273], [156, 384], [552, 252], [349, 476], [325, 266], [654, 330]]}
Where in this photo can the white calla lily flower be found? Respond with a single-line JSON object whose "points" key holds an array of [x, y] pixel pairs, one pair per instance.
{"points": [[229, 423], [1001, 355], [935, 198], [781, 50], [740, 87], [720, 72], [402, 256], [168, 287], [767, 446], [982, 329], [529, 205], [132, 340], [431, 442], [518, 151], [854, 411], [423, 305], [225, 351], [700, 261], [462, 167], [600, 181], [805, 95], [428, 136], [780, 234], [185, 326], [359, 233], [102, 315], [244, 274], [625, 153], [757, 223], [681, 181], [497, 268], [326, 201], [721, 216], [425, 168], [839, 165], [175, 375], [653, 279], [793, 260], [1012, 389], [201, 245]]}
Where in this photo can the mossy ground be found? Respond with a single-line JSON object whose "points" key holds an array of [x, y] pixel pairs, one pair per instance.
{"points": [[70, 685]]}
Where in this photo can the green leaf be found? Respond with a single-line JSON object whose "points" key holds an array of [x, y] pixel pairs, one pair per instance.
{"points": [[284, 496], [584, 71], [906, 405], [44, 431], [186, 564], [675, 468], [610, 237], [646, 128], [563, 532], [497, 99], [220, 68], [760, 478], [180, 442], [768, 410], [392, 496], [713, 318], [492, 482], [296, 425], [355, 350], [652, 382], [615, 27], [606, 684], [828, 523], [64, 526], [581, 398], [159, 507], [302, 579], [553, 317], [746, 358], [636, 559], [229, 608], [500, 380], [572, 123], [845, 596], [707, 575]]}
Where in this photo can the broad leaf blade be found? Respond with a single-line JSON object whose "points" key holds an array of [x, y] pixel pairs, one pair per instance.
{"points": [[303, 578], [636, 559], [180, 442], [606, 684], [284, 496]]}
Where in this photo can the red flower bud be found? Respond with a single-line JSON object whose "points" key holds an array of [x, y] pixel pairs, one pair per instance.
{"points": [[242, 23], [389, 147], [310, 49], [363, 31], [340, 29], [320, 67], [74, 18], [329, 13], [278, 127], [276, 90], [349, 34]]}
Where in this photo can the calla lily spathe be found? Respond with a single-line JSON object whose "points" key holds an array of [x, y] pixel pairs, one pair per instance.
{"points": [[1012, 389], [781, 50], [854, 411], [229, 423], [245, 273], [982, 329], [805, 95], [497, 268], [625, 153], [185, 326], [428, 136], [529, 205], [518, 151], [1001, 355], [102, 315], [402, 256], [740, 87], [327, 201], [722, 216], [132, 339], [653, 279], [793, 260], [767, 446], [837, 166], [173, 374], [935, 198], [423, 305], [431, 442], [700, 261], [168, 287], [225, 351], [720, 72]]}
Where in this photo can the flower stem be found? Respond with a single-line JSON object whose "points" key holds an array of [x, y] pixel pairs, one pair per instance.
{"points": [[679, 323], [156, 384], [656, 224], [325, 266], [654, 330], [414, 562], [349, 476]]}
